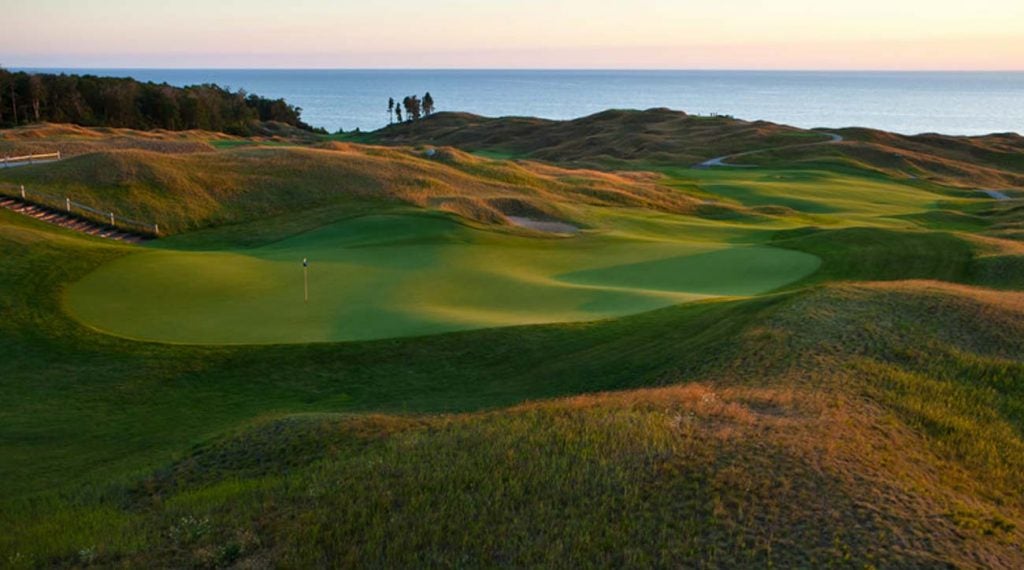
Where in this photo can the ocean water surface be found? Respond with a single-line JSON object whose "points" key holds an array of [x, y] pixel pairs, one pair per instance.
{"points": [[959, 103]]}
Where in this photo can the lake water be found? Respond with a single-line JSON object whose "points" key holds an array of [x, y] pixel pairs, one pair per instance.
{"points": [[952, 103]]}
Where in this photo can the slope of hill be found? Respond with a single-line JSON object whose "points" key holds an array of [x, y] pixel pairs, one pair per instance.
{"points": [[655, 136], [868, 415], [861, 423], [661, 138], [74, 140], [993, 162], [187, 191]]}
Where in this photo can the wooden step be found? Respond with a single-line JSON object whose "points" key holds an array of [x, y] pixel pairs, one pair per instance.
{"points": [[69, 221]]}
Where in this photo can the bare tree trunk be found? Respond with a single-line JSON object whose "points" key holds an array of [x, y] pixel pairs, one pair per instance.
{"points": [[35, 108], [14, 103]]}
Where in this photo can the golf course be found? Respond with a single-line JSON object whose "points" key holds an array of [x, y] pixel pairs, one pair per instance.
{"points": [[384, 276], [515, 343]]}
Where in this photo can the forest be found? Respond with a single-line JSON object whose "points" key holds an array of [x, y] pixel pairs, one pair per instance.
{"points": [[93, 101]]}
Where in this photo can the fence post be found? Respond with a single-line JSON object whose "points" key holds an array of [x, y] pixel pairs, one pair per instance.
{"points": [[67, 203], [23, 192]]}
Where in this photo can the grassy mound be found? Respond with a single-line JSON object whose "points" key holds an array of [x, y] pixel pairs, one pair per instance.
{"points": [[197, 190], [990, 162], [664, 138], [863, 423], [73, 140], [869, 414], [655, 136], [694, 475]]}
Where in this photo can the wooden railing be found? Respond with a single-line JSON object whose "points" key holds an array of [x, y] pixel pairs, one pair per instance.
{"points": [[66, 205], [9, 161]]}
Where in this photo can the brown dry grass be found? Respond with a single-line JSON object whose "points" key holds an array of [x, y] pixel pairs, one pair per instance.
{"points": [[191, 190], [655, 136], [994, 162], [73, 140]]}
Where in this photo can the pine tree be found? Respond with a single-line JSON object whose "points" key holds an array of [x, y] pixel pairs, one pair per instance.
{"points": [[391, 108], [428, 104], [413, 107]]}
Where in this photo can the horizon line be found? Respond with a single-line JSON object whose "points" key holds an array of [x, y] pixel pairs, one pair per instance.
{"points": [[534, 69]]}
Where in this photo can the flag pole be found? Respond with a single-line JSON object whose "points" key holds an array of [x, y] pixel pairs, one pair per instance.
{"points": [[305, 279]]}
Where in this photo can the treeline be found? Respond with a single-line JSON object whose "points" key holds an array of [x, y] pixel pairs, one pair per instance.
{"points": [[415, 108], [93, 101]]}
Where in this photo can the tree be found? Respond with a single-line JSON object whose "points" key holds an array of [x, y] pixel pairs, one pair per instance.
{"points": [[4, 78], [428, 104], [413, 108], [391, 108], [14, 101], [36, 95], [107, 101], [398, 113]]}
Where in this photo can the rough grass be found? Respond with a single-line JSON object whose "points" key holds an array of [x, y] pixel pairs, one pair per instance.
{"points": [[660, 138], [73, 140], [990, 162], [844, 425], [190, 191], [869, 416], [619, 137]]}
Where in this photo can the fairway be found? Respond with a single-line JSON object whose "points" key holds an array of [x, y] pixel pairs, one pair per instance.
{"points": [[396, 275]]}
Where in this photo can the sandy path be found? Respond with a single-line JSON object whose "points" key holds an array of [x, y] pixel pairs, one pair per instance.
{"points": [[996, 194], [543, 226], [720, 161]]}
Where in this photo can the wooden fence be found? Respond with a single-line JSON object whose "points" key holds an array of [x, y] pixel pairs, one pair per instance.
{"points": [[11, 161], [69, 206]]}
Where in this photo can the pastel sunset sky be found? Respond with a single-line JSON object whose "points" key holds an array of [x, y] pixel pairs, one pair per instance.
{"points": [[650, 34]]}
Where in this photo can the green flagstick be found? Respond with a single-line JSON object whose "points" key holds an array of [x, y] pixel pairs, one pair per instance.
{"points": [[305, 279]]}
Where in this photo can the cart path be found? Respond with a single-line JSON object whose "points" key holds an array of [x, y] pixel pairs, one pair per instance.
{"points": [[720, 161]]}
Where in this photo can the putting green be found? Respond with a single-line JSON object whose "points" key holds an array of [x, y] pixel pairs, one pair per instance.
{"points": [[396, 275]]}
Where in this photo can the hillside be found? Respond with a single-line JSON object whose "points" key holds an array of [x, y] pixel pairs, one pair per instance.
{"points": [[74, 140], [992, 161], [190, 187], [814, 363], [862, 423], [659, 138], [654, 136]]}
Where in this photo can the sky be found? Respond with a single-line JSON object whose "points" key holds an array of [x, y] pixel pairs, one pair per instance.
{"points": [[507, 34]]}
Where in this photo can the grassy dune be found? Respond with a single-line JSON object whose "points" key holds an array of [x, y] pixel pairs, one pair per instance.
{"points": [[74, 140], [189, 191], [991, 162], [658, 136], [839, 425], [853, 401]]}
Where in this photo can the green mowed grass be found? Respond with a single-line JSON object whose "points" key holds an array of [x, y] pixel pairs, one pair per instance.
{"points": [[384, 276], [840, 198], [91, 420], [168, 455]]}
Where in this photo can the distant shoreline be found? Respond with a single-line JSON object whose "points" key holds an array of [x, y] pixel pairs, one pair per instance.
{"points": [[529, 69], [905, 102]]}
